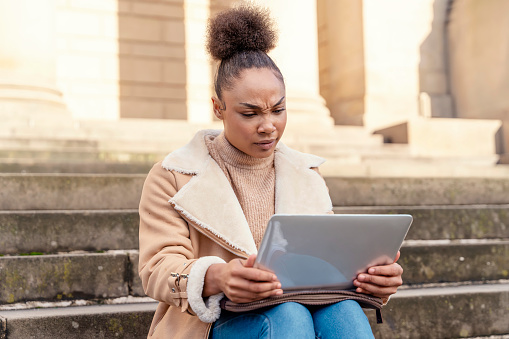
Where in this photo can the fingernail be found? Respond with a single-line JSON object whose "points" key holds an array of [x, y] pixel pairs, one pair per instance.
{"points": [[361, 277], [278, 285], [371, 271], [356, 283]]}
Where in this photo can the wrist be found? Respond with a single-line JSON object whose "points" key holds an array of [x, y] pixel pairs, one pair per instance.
{"points": [[211, 281]]}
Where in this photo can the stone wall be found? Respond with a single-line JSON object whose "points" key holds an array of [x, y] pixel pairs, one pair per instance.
{"points": [[122, 58], [479, 58]]}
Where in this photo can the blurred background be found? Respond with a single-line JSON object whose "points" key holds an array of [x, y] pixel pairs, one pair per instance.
{"points": [[369, 83], [408, 100]]}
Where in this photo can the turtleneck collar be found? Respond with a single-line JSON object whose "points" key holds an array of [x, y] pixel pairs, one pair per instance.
{"points": [[235, 157]]}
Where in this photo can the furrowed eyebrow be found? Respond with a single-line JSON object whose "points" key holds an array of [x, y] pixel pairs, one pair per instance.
{"points": [[258, 107]]}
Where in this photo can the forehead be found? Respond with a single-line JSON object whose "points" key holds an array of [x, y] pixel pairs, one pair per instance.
{"points": [[256, 85]]}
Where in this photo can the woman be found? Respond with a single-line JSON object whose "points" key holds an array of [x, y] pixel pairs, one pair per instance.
{"points": [[205, 206]]}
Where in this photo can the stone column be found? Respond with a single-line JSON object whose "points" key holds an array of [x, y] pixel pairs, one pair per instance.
{"points": [[198, 83], [297, 57], [28, 61], [478, 45]]}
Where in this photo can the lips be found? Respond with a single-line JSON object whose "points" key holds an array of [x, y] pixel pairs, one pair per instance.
{"points": [[266, 144]]}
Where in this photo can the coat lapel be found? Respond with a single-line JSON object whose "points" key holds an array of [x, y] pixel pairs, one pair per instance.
{"points": [[208, 198], [299, 189], [209, 201]]}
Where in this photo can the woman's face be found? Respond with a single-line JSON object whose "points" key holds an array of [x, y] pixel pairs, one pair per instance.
{"points": [[253, 112]]}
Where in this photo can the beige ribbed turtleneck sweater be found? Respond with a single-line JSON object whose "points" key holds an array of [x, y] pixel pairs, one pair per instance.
{"points": [[252, 179]]}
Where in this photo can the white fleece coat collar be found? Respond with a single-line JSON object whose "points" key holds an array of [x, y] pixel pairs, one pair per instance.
{"points": [[209, 200]]}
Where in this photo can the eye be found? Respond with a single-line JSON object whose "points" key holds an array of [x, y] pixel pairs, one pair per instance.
{"points": [[279, 110], [248, 115]]}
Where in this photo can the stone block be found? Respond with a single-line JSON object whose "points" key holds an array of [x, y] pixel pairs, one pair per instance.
{"points": [[147, 108], [453, 137], [447, 222], [140, 70], [174, 31], [177, 110], [417, 191], [450, 312], [65, 231], [135, 285], [57, 277], [154, 92], [136, 28], [174, 72], [128, 321], [157, 50], [397, 134], [436, 262], [158, 9], [59, 191]]}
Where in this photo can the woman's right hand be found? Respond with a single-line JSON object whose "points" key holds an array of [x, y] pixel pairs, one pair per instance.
{"points": [[240, 281]]}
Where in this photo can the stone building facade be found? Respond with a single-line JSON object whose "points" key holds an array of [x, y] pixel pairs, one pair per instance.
{"points": [[433, 73]]}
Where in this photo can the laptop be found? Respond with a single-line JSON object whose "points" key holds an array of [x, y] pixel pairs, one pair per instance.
{"points": [[329, 251]]}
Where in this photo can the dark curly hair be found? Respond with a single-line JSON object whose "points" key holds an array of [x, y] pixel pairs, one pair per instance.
{"points": [[240, 38]]}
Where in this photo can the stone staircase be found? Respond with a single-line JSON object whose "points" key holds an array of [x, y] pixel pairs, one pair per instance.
{"points": [[69, 254]]}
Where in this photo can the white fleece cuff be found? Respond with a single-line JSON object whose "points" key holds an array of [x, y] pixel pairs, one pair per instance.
{"points": [[207, 310]]}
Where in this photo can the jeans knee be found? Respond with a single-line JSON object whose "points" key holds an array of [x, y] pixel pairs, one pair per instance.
{"points": [[291, 309], [290, 320]]}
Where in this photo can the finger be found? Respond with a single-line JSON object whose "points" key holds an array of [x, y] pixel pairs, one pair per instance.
{"points": [[250, 261], [254, 274], [261, 288], [381, 292], [251, 292], [386, 270], [250, 298], [397, 256], [378, 280]]}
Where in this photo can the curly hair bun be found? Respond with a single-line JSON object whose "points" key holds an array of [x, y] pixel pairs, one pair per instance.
{"points": [[240, 29]]}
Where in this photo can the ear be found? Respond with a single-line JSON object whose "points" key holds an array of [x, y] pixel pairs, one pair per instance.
{"points": [[216, 104]]}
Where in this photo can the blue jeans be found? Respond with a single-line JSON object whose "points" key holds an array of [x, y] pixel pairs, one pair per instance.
{"points": [[291, 320]]}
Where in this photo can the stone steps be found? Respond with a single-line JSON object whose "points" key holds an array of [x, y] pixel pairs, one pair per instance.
{"points": [[455, 257], [128, 321], [436, 312], [417, 191], [446, 221], [65, 231], [60, 191], [109, 191], [51, 231], [114, 274], [446, 312], [79, 155], [64, 166], [428, 261]]}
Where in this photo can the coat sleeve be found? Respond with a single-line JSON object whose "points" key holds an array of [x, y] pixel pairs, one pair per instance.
{"points": [[167, 259]]}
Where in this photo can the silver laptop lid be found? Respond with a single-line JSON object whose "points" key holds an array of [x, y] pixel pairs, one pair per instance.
{"points": [[328, 251]]}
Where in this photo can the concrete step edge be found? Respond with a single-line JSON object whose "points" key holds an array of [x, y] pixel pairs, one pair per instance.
{"points": [[453, 289], [130, 307], [454, 242]]}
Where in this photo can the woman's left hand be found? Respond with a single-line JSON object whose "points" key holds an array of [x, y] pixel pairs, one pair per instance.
{"points": [[380, 281]]}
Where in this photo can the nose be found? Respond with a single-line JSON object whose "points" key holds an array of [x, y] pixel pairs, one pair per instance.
{"points": [[266, 126]]}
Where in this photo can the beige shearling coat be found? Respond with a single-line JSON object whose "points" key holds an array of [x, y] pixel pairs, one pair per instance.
{"points": [[190, 219]]}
